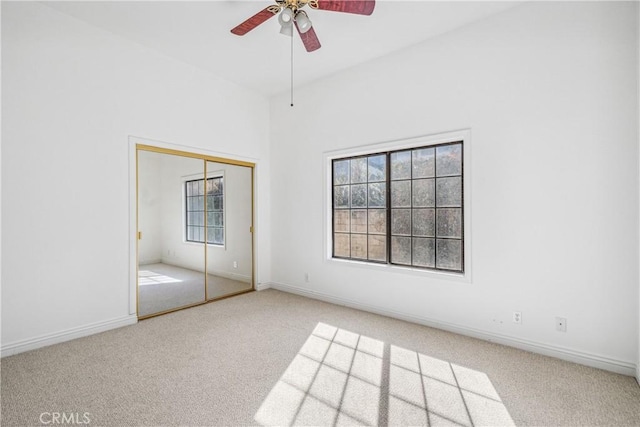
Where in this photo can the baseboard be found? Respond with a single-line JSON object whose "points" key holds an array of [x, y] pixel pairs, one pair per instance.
{"points": [[233, 276], [150, 261], [226, 274], [70, 334], [263, 286], [588, 359]]}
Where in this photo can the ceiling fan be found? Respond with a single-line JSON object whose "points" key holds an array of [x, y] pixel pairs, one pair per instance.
{"points": [[291, 14]]}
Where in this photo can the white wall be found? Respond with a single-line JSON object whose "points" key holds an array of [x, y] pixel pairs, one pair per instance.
{"points": [[72, 94], [549, 93]]}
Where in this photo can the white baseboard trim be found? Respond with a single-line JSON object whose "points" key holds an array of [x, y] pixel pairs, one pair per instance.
{"points": [[263, 286], [588, 359], [70, 334], [234, 276], [226, 274]]}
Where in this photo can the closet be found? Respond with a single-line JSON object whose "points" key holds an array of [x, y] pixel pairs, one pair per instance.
{"points": [[195, 229]]}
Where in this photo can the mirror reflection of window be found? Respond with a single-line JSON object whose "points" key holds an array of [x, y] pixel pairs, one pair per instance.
{"points": [[196, 209]]}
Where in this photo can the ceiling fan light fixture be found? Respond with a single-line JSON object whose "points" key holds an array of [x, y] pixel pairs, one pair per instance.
{"points": [[303, 21], [286, 16], [287, 29]]}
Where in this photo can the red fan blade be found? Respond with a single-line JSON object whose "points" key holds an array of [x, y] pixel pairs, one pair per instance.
{"points": [[359, 7], [309, 39], [255, 20]]}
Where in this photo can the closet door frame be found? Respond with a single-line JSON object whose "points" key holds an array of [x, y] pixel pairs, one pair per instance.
{"points": [[140, 144]]}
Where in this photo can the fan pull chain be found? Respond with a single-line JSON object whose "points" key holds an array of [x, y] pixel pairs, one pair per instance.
{"points": [[292, 70]]}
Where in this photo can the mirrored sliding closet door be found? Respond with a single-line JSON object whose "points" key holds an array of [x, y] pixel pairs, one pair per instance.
{"points": [[229, 236], [195, 230]]}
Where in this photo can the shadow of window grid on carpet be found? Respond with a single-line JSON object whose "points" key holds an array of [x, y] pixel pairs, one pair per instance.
{"points": [[342, 378]]}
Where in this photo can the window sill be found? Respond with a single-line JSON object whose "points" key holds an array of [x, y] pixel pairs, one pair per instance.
{"points": [[210, 245], [432, 274]]}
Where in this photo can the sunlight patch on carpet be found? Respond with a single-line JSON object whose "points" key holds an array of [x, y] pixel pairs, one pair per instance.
{"points": [[147, 277], [342, 378]]}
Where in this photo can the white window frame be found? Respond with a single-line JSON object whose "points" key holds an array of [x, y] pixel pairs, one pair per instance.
{"points": [[421, 141]]}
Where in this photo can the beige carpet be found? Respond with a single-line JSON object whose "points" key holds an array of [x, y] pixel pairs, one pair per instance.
{"points": [[271, 357], [165, 287]]}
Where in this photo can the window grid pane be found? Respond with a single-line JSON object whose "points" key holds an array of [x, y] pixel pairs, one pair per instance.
{"points": [[359, 208], [401, 207], [204, 198]]}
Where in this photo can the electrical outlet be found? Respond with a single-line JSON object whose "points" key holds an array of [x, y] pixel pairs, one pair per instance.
{"points": [[306, 277], [517, 317], [561, 324], [235, 264]]}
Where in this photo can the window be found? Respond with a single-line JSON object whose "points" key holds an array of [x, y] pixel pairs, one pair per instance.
{"points": [[195, 210], [401, 207]]}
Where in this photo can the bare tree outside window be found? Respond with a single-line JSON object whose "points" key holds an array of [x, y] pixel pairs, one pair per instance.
{"points": [[401, 207]]}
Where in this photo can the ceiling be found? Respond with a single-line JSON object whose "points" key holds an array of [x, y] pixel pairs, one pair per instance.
{"points": [[198, 33]]}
